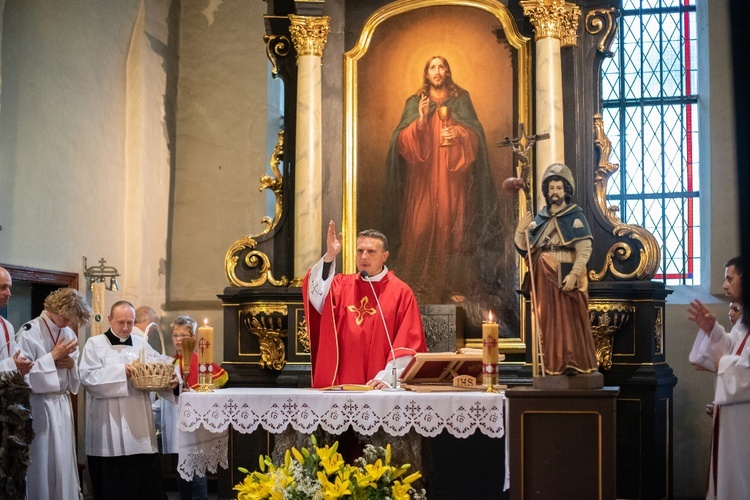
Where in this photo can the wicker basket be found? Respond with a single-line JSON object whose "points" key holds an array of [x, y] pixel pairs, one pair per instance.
{"points": [[152, 376]]}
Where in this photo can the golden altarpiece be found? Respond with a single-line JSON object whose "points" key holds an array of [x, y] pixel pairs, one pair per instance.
{"points": [[535, 71]]}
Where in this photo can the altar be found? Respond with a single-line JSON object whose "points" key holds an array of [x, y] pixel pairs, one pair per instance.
{"points": [[205, 419]]}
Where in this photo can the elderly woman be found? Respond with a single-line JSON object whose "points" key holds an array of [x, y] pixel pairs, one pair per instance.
{"points": [[165, 413], [51, 343]]}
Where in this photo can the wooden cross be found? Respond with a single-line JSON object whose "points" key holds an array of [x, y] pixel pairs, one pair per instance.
{"points": [[521, 147], [203, 344], [522, 144]]}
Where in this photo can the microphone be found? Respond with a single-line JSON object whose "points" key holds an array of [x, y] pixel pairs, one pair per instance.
{"points": [[396, 386]]}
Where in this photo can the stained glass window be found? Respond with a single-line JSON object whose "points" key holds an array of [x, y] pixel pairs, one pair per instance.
{"points": [[650, 110]]}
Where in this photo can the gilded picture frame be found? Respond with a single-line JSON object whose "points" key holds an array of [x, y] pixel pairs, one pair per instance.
{"points": [[491, 60]]}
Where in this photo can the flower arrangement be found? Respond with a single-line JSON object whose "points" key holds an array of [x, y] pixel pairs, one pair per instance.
{"points": [[321, 473]]}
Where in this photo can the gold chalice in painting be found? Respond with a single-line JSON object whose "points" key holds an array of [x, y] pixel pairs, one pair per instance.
{"points": [[445, 113], [187, 345]]}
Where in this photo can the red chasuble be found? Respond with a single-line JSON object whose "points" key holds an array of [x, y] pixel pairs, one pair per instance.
{"points": [[348, 343]]}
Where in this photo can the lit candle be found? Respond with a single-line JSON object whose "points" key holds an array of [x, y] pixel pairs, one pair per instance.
{"points": [[205, 353], [490, 353]]}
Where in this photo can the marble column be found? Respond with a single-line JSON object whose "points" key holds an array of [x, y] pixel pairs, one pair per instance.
{"points": [[309, 35], [555, 25]]}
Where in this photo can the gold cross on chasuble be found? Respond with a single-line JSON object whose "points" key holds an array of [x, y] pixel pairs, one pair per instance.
{"points": [[362, 310]]}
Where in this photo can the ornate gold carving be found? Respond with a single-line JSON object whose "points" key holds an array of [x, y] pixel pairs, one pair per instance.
{"points": [[649, 252], [607, 318], [659, 332], [553, 19], [254, 258], [265, 308], [276, 45], [270, 332], [309, 34], [599, 20], [303, 336], [274, 183]]}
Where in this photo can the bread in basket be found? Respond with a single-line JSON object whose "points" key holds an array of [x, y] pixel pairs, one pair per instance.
{"points": [[152, 373]]}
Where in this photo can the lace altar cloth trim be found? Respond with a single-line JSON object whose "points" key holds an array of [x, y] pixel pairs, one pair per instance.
{"points": [[460, 413], [205, 418]]}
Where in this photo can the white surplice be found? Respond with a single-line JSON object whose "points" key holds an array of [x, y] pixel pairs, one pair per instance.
{"points": [[9, 347], [729, 472], [119, 419], [53, 471]]}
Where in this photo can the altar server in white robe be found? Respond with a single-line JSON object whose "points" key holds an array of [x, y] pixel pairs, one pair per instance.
{"points": [[120, 435], [727, 355], [52, 344], [10, 355]]}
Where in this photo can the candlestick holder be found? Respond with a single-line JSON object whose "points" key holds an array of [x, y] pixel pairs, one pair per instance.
{"points": [[205, 380]]}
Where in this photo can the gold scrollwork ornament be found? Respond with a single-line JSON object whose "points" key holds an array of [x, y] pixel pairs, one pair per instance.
{"points": [[255, 259], [648, 254], [270, 336], [276, 45], [603, 20]]}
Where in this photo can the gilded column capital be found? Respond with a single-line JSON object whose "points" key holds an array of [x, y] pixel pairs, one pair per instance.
{"points": [[553, 19], [309, 34]]}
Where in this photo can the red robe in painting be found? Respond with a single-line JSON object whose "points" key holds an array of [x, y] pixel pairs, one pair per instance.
{"points": [[348, 343]]}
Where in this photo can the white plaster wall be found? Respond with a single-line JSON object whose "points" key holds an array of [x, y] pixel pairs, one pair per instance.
{"points": [[84, 164], [221, 153], [83, 158]]}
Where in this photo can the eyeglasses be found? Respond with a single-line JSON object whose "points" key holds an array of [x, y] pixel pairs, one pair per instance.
{"points": [[180, 337]]}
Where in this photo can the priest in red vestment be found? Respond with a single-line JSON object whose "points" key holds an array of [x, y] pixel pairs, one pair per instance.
{"points": [[353, 340]]}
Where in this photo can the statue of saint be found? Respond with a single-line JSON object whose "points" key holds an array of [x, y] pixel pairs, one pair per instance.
{"points": [[559, 241]]}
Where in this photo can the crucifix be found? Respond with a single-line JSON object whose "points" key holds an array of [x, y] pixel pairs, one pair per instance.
{"points": [[521, 146]]}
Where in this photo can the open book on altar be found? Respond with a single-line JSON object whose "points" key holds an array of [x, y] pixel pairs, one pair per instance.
{"points": [[439, 369], [347, 387]]}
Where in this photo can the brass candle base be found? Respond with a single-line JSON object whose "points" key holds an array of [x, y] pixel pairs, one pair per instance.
{"points": [[205, 383], [490, 381]]}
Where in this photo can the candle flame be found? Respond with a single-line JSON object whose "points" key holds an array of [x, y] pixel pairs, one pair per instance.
{"points": [[489, 317], [205, 321]]}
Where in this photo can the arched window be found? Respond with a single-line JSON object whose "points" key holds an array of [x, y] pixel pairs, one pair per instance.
{"points": [[650, 94]]}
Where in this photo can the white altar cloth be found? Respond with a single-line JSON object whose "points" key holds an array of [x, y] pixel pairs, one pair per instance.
{"points": [[205, 418]]}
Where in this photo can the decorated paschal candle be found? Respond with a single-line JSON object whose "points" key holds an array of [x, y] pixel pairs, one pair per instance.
{"points": [[205, 356], [490, 353]]}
